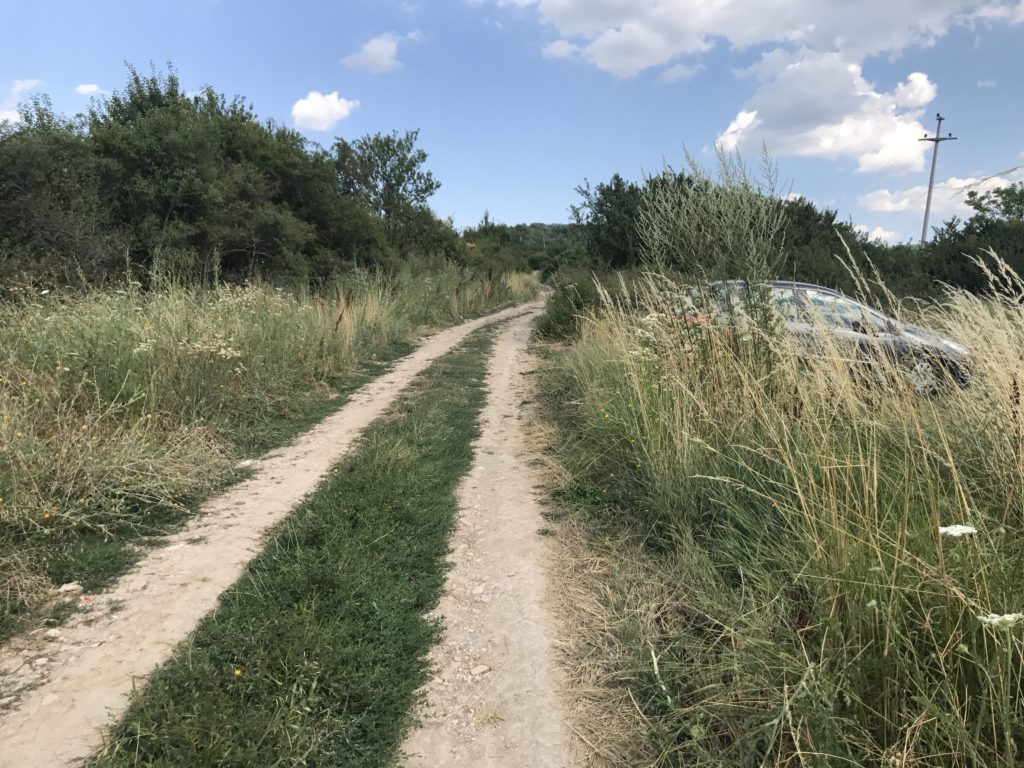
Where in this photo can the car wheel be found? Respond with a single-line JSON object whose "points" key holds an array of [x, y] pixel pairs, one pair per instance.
{"points": [[923, 378]]}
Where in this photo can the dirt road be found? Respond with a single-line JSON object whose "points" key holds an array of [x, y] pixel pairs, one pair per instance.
{"points": [[83, 672], [493, 702]]}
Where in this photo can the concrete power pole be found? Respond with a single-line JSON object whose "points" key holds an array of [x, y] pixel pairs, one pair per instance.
{"points": [[938, 139]]}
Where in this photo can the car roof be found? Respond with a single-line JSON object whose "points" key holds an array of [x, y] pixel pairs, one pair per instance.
{"points": [[776, 284]]}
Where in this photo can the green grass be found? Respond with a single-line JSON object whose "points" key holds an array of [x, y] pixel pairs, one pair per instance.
{"points": [[121, 410], [314, 656], [97, 558]]}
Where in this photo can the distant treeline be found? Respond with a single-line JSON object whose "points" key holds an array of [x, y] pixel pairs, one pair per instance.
{"points": [[811, 238], [197, 187]]}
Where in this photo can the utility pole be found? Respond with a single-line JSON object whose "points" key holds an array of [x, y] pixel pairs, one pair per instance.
{"points": [[938, 139]]}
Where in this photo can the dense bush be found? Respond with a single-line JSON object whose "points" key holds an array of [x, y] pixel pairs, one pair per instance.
{"points": [[828, 561], [198, 188], [811, 244]]}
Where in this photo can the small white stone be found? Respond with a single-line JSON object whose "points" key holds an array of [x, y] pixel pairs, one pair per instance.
{"points": [[52, 634], [479, 669], [70, 588]]}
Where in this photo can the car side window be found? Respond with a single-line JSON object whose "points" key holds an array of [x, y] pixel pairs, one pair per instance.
{"points": [[840, 312], [788, 305]]}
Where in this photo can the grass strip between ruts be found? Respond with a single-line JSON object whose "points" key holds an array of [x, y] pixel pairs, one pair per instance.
{"points": [[313, 657]]}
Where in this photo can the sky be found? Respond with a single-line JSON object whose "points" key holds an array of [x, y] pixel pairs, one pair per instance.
{"points": [[519, 101]]}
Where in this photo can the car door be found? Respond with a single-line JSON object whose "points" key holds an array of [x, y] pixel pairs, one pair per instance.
{"points": [[793, 314], [855, 328]]}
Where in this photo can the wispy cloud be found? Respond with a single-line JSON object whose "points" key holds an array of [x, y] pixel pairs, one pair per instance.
{"points": [[560, 49], [380, 54], [679, 72], [9, 105]]}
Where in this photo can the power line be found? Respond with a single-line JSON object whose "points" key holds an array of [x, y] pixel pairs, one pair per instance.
{"points": [[936, 140]]}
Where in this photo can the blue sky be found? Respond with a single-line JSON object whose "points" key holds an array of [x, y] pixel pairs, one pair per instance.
{"points": [[519, 100]]}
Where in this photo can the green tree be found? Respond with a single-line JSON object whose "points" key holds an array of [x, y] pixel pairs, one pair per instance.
{"points": [[608, 215], [52, 225], [1005, 204], [205, 188], [387, 171], [997, 224]]}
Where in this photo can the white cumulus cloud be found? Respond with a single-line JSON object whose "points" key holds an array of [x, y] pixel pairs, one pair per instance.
{"points": [[729, 140], [88, 89], [948, 199], [679, 72], [321, 111], [379, 54], [814, 104], [625, 37], [9, 105], [877, 233], [820, 47], [21, 87]]}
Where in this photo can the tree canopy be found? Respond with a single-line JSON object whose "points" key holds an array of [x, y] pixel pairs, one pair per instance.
{"points": [[198, 187], [811, 243], [387, 172]]}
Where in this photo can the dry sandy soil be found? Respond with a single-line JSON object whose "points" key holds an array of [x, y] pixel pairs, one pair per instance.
{"points": [[493, 702], [60, 688]]}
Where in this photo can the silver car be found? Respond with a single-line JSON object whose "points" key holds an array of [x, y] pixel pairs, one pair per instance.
{"points": [[808, 310]]}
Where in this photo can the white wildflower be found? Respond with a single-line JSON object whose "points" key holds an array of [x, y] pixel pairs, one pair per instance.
{"points": [[956, 531], [872, 603], [1001, 620]]}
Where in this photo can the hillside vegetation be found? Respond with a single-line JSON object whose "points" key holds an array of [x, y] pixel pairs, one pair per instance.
{"points": [[613, 216], [196, 186]]}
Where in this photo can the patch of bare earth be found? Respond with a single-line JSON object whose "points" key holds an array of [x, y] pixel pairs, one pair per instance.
{"points": [[59, 689], [494, 700]]}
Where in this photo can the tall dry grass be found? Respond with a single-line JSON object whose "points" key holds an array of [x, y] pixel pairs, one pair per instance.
{"points": [[117, 408], [793, 509]]}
